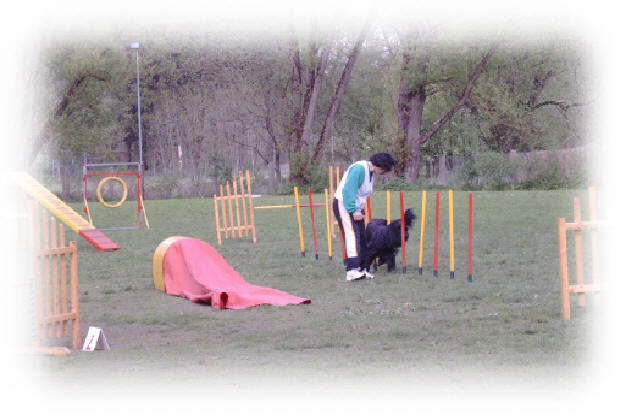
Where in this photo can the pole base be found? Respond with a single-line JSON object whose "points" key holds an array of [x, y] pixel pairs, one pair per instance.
{"points": [[316, 256], [419, 271], [452, 274], [469, 277], [435, 273], [403, 269]]}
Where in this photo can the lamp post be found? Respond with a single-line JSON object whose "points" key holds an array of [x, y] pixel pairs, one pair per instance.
{"points": [[135, 45]]}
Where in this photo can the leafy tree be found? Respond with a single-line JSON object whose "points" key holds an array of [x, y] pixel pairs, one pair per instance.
{"points": [[87, 82]]}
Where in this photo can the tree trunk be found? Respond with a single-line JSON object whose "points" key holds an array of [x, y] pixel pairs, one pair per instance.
{"points": [[296, 99], [415, 125], [404, 115], [315, 84], [338, 97]]}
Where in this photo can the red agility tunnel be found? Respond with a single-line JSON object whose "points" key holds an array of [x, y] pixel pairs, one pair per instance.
{"points": [[193, 269]]}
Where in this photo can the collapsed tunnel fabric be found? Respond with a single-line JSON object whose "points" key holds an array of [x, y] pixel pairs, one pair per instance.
{"points": [[195, 270]]}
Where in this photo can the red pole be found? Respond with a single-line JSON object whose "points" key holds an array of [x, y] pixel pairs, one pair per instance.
{"points": [[436, 261], [313, 223], [471, 207], [402, 232]]}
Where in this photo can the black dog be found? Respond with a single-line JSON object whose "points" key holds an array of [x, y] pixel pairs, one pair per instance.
{"points": [[383, 240]]}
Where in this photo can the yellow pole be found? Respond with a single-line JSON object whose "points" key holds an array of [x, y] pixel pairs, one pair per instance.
{"points": [[328, 227], [296, 195], [332, 194], [451, 220], [422, 231]]}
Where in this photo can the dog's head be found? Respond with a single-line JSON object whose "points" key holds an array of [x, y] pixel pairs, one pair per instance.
{"points": [[409, 216]]}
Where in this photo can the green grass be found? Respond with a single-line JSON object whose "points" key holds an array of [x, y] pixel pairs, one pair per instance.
{"points": [[397, 325]]}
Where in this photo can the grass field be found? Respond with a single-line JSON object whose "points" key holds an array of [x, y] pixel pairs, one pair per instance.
{"points": [[443, 334]]}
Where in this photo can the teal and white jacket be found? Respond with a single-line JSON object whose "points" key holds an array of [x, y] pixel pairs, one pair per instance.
{"points": [[355, 186]]}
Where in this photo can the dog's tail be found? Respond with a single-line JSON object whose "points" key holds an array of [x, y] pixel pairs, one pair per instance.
{"points": [[409, 216]]}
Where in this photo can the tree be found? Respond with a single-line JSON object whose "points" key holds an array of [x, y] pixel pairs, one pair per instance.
{"points": [[87, 84], [531, 99], [307, 78], [422, 77]]}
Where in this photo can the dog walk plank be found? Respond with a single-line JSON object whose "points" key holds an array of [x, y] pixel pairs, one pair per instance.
{"points": [[65, 213]]}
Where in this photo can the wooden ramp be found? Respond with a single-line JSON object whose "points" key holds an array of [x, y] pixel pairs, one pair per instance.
{"points": [[63, 212]]}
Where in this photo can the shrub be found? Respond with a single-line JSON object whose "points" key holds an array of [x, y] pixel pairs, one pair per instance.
{"points": [[489, 170]]}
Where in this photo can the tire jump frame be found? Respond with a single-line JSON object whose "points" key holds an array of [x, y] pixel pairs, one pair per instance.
{"points": [[141, 218]]}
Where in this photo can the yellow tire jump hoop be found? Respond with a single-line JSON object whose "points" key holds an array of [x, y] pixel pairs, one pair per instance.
{"points": [[124, 196]]}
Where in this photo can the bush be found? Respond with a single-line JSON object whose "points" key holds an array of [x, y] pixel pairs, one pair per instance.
{"points": [[490, 171], [548, 173]]}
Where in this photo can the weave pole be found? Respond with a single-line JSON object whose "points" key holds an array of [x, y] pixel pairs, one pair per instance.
{"points": [[296, 195], [451, 230], [422, 233], [471, 206], [436, 260], [368, 219], [328, 227], [313, 223], [389, 207], [331, 189], [403, 242], [333, 182]]}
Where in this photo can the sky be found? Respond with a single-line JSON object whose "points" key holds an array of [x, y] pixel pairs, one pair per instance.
{"points": [[28, 26]]}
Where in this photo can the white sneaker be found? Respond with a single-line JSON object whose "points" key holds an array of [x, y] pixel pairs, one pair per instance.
{"points": [[354, 275], [368, 274]]}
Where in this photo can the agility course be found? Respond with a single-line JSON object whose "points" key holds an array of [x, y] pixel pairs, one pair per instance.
{"points": [[388, 213], [397, 320], [267, 263]]}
